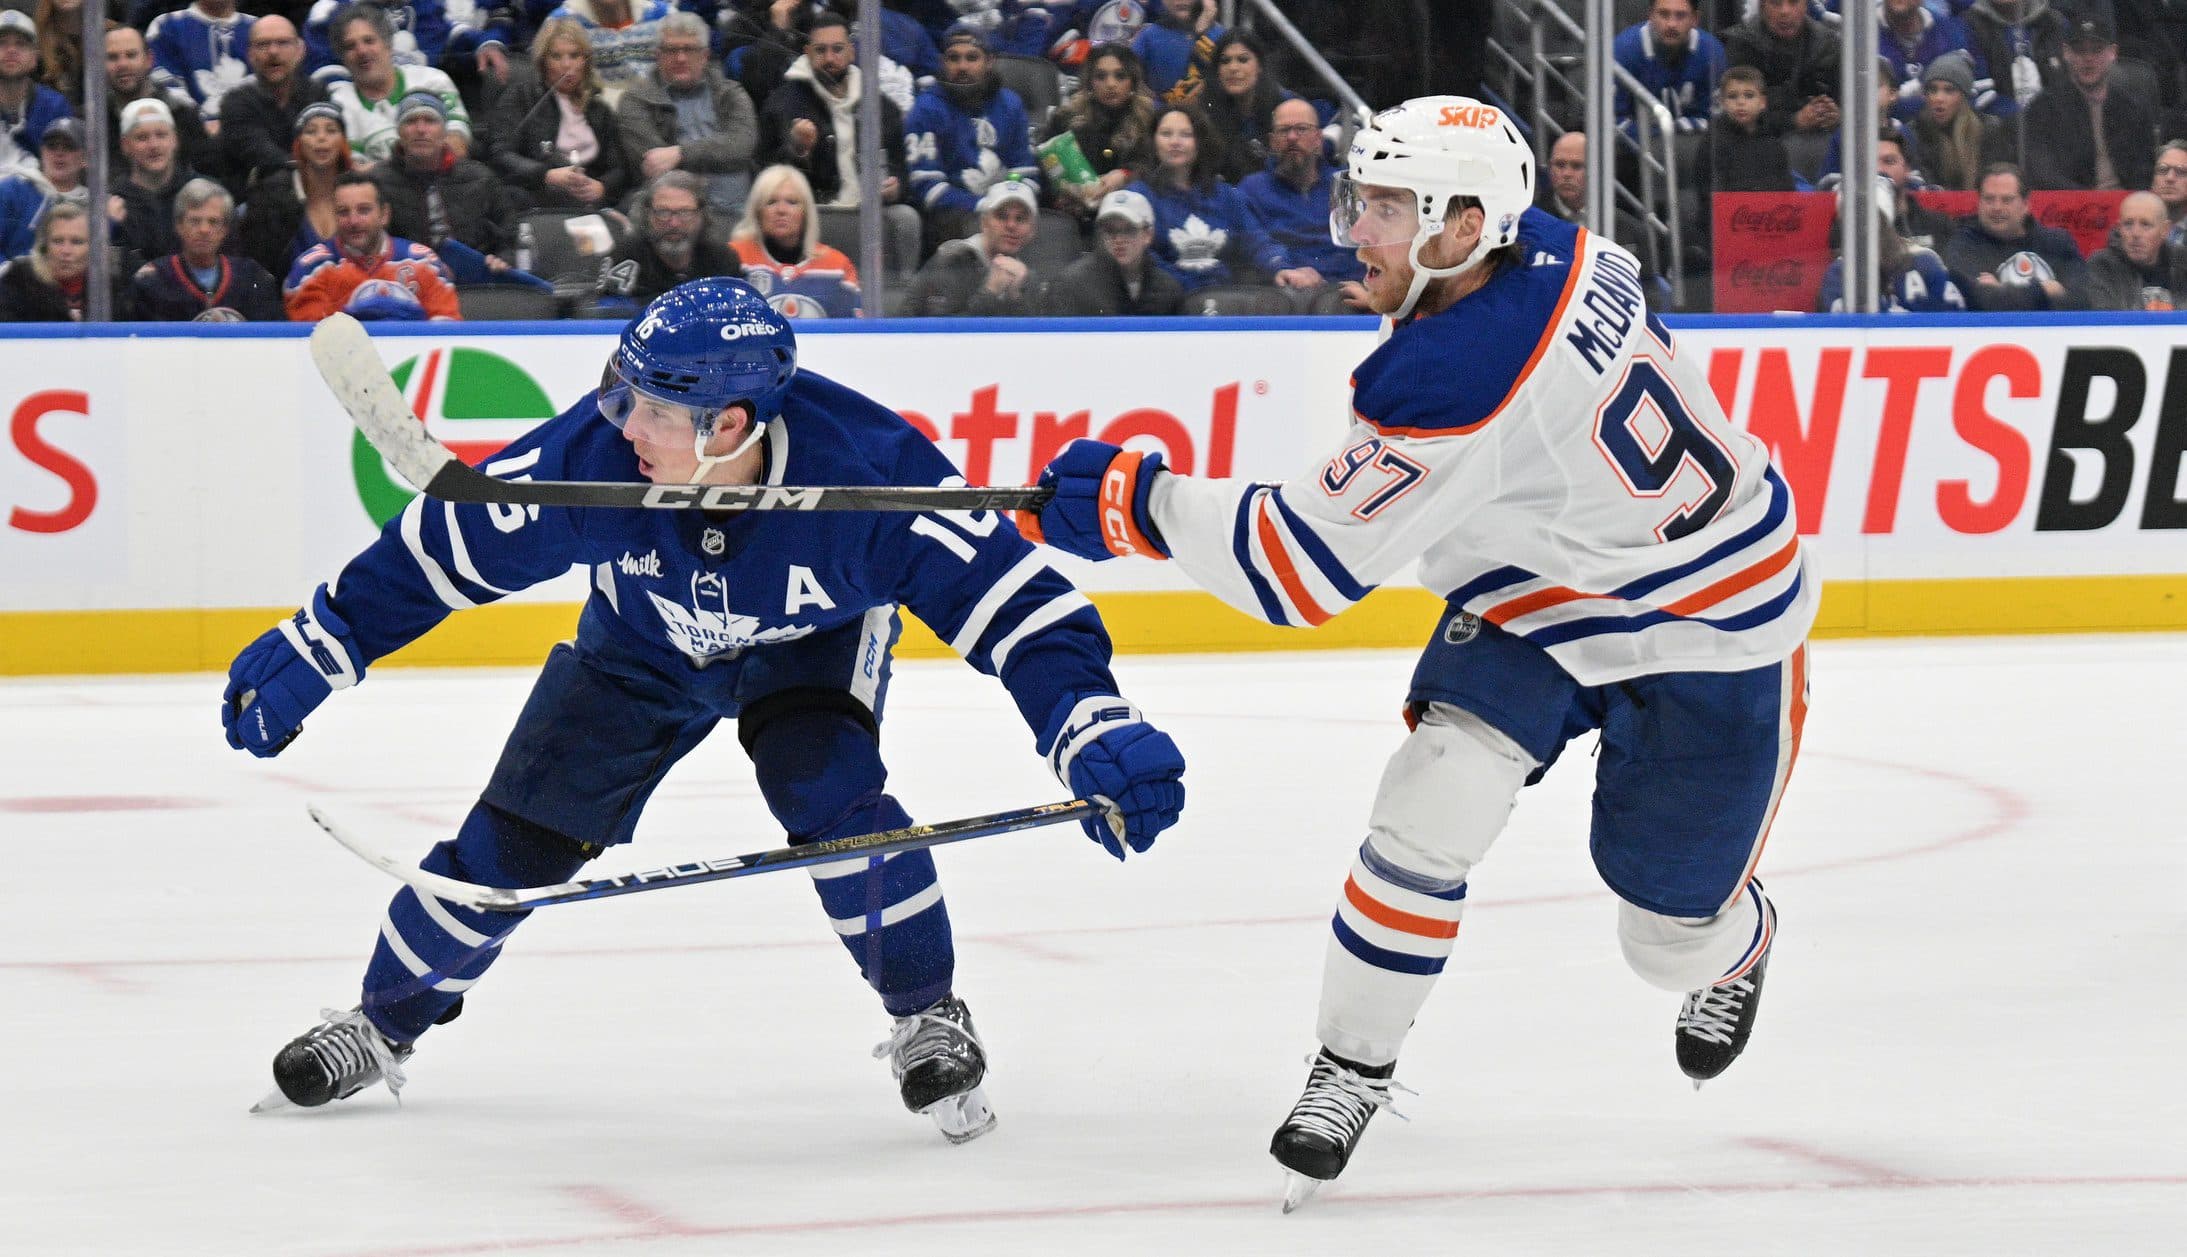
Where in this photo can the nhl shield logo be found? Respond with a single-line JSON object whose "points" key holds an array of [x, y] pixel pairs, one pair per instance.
{"points": [[1462, 628], [713, 541]]}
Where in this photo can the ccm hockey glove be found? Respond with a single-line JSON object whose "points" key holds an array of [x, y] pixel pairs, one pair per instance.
{"points": [[1100, 506], [1103, 751], [284, 675]]}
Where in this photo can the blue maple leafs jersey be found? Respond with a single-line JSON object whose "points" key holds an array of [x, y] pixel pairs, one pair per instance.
{"points": [[684, 588]]}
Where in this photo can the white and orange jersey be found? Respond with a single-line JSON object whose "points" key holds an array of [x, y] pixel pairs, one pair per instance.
{"points": [[1555, 466]]}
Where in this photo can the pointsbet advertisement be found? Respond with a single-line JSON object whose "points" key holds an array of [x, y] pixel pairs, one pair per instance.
{"points": [[1991, 476]]}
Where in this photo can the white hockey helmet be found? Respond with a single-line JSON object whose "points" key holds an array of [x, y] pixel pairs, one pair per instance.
{"points": [[1436, 147]]}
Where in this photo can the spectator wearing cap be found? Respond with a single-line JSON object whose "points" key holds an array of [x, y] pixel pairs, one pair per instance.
{"points": [[2023, 44], [365, 271], [965, 134], [810, 120], [129, 80], [672, 241], [557, 139], [2015, 262], [292, 209], [777, 244], [1957, 142], [375, 84], [258, 115], [1119, 277], [27, 107], [26, 195], [1178, 48], [435, 194], [143, 205], [1909, 37], [1290, 201], [2091, 131], [2168, 180], [2139, 269], [1204, 233], [1798, 58], [200, 50], [686, 116], [983, 274], [198, 282]]}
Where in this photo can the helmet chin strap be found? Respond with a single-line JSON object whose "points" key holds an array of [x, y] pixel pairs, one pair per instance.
{"points": [[1430, 228], [708, 462]]}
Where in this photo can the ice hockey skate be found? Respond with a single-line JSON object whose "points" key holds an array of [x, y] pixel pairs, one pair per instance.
{"points": [[939, 1061], [1316, 1142], [1715, 1022], [334, 1060]]}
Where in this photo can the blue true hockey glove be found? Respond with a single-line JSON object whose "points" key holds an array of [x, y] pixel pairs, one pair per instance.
{"points": [[1100, 506], [284, 675], [1105, 752]]}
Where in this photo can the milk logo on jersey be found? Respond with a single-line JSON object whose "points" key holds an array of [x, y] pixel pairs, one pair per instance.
{"points": [[473, 400], [2024, 268], [706, 627], [1199, 246], [647, 564]]}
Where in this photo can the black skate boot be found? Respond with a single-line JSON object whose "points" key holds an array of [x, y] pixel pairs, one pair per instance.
{"points": [[1715, 1022], [939, 1063], [334, 1061], [1315, 1143]]}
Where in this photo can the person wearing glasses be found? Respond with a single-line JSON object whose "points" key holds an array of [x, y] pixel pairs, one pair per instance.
{"points": [[2169, 181], [1291, 201], [673, 244], [687, 116], [258, 116]]}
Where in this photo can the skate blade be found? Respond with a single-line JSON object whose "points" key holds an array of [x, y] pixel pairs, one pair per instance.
{"points": [[962, 1118], [1298, 1189], [273, 1103]]}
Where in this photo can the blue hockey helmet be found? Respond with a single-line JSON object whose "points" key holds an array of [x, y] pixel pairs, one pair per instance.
{"points": [[703, 346]]}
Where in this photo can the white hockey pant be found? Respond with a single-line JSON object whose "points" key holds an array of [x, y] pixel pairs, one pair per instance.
{"points": [[1445, 796]]}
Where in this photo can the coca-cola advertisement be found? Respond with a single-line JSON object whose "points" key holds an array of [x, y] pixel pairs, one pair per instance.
{"points": [[1771, 250], [2086, 216]]}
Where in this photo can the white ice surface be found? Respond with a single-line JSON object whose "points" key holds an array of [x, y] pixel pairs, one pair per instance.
{"points": [[1973, 1039]]}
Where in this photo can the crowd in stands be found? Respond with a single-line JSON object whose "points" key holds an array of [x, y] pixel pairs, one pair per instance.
{"points": [[548, 158]]}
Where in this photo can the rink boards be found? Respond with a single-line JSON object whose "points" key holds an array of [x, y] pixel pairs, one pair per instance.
{"points": [[164, 491]]}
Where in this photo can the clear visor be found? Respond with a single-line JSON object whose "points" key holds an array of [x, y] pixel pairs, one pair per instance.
{"points": [[1363, 215], [654, 420]]}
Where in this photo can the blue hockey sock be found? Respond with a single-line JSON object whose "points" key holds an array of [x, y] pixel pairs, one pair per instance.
{"points": [[822, 776], [431, 951]]}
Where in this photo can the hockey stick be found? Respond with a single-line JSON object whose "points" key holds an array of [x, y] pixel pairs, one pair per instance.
{"points": [[353, 370], [885, 842]]}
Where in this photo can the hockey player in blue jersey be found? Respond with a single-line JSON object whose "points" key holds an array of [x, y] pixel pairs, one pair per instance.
{"points": [[1616, 555], [782, 621]]}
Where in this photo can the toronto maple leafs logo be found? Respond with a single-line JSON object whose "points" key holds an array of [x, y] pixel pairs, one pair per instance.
{"points": [[708, 629], [975, 179], [1199, 247]]}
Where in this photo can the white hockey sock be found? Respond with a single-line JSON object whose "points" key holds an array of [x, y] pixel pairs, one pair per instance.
{"points": [[1685, 954], [1392, 932]]}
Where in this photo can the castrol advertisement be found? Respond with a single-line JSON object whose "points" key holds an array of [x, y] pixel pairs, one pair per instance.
{"points": [[143, 473]]}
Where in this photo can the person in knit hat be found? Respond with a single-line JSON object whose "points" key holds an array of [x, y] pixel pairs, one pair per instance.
{"points": [[1956, 141]]}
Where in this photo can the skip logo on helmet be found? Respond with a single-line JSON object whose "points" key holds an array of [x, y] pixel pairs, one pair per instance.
{"points": [[1481, 116]]}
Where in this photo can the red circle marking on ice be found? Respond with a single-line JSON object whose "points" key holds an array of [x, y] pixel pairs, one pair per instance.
{"points": [[100, 803]]}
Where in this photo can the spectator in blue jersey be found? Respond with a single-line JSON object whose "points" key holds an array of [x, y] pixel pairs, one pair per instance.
{"points": [[2139, 269], [1910, 37], [685, 116], [1119, 278], [1178, 48], [810, 120], [1957, 142], [201, 50], [1798, 58], [1290, 200], [2022, 42], [1241, 102], [1111, 118], [291, 209], [2091, 131], [626, 38], [2014, 262], [673, 241], [1677, 62], [965, 134], [984, 275], [417, 31], [198, 282], [1204, 233], [567, 154], [27, 107], [258, 117], [1911, 279], [25, 195], [777, 245]]}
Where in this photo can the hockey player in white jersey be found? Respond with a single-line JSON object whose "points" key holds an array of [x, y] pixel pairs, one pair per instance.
{"points": [[1617, 556]]}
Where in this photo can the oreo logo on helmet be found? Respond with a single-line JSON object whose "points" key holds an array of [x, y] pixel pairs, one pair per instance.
{"points": [[734, 331], [2024, 268]]}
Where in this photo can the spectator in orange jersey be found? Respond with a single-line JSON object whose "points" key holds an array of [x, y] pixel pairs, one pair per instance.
{"points": [[778, 244], [365, 271]]}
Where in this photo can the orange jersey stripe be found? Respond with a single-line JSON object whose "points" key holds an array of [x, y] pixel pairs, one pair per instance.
{"points": [[1279, 560], [1528, 604], [1405, 922], [1738, 581]]}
